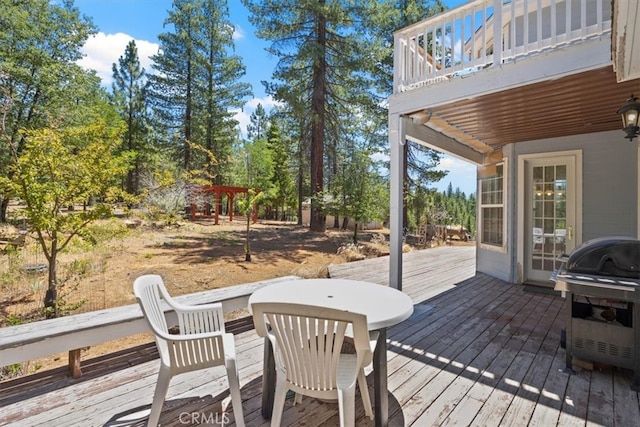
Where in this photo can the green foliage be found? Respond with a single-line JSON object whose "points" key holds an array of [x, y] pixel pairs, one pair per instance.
{"points": [[378, 25], [12, 320], [259, 123], [129, 95], [257, 164], [282, 184], [197, 85], [362, 193], [62, 307], [40, 82], [106, 231], [58, 168], [450, 207], [321, 76], [246, 206]]}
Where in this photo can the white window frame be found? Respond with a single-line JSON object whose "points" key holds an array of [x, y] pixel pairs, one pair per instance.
{"points": [[491, 246]]}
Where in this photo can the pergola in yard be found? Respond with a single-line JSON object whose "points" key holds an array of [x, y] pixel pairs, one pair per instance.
{"points": [[218, 191]]}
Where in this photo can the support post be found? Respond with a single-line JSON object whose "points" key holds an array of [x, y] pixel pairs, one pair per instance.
{"points": [[397, 139], [74, 363]]}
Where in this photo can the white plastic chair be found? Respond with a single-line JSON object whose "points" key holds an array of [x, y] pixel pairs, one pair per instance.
{"points": [[307, 343], [201, 342]]}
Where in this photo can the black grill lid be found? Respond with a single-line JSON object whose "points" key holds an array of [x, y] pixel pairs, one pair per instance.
{"points": [[609, 256]]}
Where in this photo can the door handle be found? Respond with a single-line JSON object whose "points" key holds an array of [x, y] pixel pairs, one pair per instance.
{"points": [[570, 233]]}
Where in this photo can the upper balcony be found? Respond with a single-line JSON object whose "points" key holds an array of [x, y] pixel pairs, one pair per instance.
{"points": [[462, 40]]}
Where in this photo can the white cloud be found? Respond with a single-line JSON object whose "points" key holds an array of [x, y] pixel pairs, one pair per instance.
{"points": [[238, 33], [267, 103], [244, 118], [455, 164], [103, 50]]}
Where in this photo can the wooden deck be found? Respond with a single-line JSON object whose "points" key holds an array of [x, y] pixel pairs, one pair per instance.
{"points": [[477, 351]]}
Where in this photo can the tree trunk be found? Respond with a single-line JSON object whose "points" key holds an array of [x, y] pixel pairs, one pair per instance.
{"points": [[51, 296], [247, 248], [302, 148], [345, 223], [188, 107], [317, 126], [4, 205]]}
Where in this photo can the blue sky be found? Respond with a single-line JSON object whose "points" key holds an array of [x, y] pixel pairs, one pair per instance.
{"points": [[119, 21]]}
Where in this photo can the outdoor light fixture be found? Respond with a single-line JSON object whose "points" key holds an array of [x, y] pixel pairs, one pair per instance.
{"points": [[630, 113]]}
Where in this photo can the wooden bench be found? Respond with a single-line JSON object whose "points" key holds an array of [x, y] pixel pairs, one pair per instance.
{"points": [[34, 340]]}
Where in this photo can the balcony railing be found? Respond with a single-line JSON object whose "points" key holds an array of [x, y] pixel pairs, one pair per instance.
{"points": [[462, 40]]}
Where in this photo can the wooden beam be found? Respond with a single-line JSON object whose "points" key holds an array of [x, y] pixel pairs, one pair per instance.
{"points": [[429, 137]]}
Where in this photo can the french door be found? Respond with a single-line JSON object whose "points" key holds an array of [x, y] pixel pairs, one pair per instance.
{"points": [[550, 214]]}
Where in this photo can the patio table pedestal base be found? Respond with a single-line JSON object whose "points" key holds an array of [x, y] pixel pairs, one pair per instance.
{"points": [[381, 394]]}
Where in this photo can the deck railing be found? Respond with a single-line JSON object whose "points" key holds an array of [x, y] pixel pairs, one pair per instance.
{"points": [[34, 340], [462, 41]]}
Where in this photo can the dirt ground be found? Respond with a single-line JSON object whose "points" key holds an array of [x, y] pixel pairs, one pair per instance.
{"points": [[199, 256], [196, 256]]}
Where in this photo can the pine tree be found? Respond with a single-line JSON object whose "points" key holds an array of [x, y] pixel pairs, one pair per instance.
{"points": [[129, 95], [283, 186], [196, 84], [221, 91], [173, 81], [257, 128], [380, 22], [320, 66]]}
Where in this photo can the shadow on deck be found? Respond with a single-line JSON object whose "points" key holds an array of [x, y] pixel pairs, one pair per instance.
{"points": [[476, 351]]}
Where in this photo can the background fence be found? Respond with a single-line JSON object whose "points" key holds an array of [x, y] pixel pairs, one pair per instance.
{"points": [[81, 280]]}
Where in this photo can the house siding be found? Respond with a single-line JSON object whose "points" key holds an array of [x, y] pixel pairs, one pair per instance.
{"points": [[609, 199]]}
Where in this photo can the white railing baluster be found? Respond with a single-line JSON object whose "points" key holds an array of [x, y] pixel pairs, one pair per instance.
{"points": [[419, 67], [461, 39], [497, 32], [583, 18], [437, 46], [512, 27], [539, 25], [599, 17], [414, 58], [480, 27], [553, 23], [428, 72], [452, 41], [567, 31], [472, 38]]}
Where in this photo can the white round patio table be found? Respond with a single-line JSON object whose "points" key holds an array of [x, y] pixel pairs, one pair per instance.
{"points": [[383, 306]]}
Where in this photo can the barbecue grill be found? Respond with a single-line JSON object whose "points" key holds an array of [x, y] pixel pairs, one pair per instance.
{"points": [[601, 281]]}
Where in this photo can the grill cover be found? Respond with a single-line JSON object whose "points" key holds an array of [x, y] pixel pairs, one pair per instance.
{"points": [[617, 256]]}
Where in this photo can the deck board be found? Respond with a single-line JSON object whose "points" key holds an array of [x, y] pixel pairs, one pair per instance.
{"points": [[477, 351]]}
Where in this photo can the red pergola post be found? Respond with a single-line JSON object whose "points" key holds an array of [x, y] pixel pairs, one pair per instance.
{"points": [[231, 192], [216, 202]]}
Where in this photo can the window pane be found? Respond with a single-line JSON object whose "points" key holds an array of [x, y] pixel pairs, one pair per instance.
{"points": [[561, 172], [492, 211], [492, 226]]}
